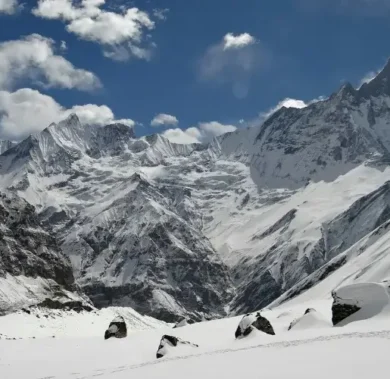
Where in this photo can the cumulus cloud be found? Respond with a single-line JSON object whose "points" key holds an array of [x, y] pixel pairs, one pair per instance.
{"points": [[237, 42], [190, 135], [28, 111], [287, 103], [214, 129], [33, 57], [203, 132], [163, 119], [122, 33], [8, 6], [234, 60]]}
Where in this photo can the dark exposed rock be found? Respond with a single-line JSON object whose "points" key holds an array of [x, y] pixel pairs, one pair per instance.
{"points": [[28, 249], [67, 305], [341, 310], [251, 321], [168, 342], [117, 328]]}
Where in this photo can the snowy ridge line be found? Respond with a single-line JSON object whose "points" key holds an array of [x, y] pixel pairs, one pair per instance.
{"points": [[385, 334]]}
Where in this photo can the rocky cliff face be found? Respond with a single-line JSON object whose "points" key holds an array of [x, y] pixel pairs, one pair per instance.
{"points": [[30, 258], [26, 248]]}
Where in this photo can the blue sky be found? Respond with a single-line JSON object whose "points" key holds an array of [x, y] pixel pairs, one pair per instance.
{"points": [[175, 57]]}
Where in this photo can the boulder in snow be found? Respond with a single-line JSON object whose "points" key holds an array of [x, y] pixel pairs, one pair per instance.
{"points": [[184, 322], [358, 302], [310, 319], [169, 342], [253, 321], [117, 328]]}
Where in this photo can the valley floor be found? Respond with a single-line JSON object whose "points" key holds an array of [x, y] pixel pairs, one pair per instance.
{"points": [[358, 350]]}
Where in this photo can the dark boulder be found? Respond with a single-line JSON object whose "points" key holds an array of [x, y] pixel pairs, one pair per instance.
{"points": [[117, 329], [169, 342], [341, 310], [251, 321]]}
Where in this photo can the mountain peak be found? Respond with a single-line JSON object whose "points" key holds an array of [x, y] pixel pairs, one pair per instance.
{"points": [[380, 85], [72, 119], [346, 91]]}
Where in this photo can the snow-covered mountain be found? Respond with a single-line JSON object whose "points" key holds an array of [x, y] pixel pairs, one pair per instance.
{"points": [[202, 230]]}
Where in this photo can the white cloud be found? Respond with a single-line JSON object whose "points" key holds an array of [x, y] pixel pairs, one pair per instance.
{"points": [[287, 103], [214, 129], [371, 75], [27, 111], [237, 42], [234, 60], [33, 57], [122, 33], [163, 119], [8, 6], [190, 135], [368, 77], [204, 132]]}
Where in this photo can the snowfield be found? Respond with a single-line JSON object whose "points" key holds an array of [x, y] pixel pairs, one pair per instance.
{"points": [[78, 351]]}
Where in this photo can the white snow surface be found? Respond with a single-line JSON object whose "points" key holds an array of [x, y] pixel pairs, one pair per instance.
{"points": [[358, 350], [45, 323]]}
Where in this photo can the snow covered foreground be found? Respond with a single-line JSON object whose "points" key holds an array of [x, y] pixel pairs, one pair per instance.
{"points": [[357, 350]]}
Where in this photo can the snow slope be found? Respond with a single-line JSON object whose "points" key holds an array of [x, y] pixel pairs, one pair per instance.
{"points": [[355, 351], [48, 323]]}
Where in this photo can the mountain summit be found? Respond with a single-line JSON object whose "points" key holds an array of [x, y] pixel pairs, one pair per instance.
{"points": [[379, 86]]}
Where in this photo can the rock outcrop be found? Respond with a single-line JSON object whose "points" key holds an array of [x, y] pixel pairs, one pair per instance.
{"points": [[33, 269], [253, 321], [117, 328], [169, 342]]}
